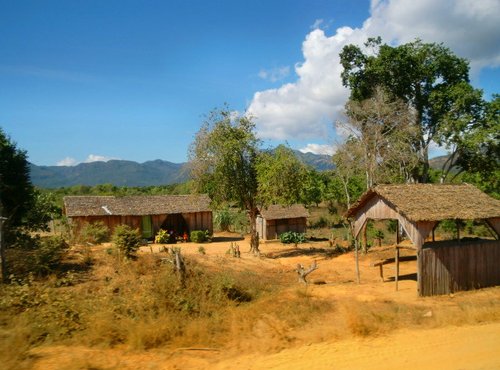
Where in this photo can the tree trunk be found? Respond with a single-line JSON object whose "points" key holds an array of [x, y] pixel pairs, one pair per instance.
{"points": [[254, 236], [3, 263]]}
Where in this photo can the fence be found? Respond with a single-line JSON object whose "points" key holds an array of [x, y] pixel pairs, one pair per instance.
{"points": [[448, 267]]}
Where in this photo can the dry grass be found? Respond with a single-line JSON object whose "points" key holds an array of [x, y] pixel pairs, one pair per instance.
{"points": [[239, 306]]}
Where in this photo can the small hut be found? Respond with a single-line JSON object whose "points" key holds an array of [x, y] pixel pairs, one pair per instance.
{"points": [[277, 219], [443, 266], [148, 213]]}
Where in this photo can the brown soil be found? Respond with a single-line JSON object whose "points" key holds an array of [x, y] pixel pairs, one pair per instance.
{"points": [[452, 345]]}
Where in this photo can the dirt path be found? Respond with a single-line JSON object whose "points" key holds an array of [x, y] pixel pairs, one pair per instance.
{"points": [[469, 347], [466, 347]]}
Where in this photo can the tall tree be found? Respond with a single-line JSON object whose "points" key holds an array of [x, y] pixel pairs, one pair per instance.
{"points": [[223, 161], [17, 195], [281, 177], [426, 76], [382, 133]]}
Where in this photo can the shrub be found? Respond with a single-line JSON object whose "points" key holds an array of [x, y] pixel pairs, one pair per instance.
{"points": [[48, 255], [163, 237], [127, 240], [223, 220], [200, 236], [292, 237], [95, 233]]}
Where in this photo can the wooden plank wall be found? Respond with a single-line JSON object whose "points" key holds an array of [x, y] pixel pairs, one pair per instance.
{"points": [[196, 221], [448, 267], [274, 228]]}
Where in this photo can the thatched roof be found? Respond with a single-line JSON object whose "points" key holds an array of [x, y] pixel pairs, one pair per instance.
{"points": [[433, 202], [278, 212], [135, 205]]}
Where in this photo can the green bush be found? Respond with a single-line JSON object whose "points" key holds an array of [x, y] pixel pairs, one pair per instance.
{"points": [[200, 236], [127, 240], [95, 233], [223, 220], [49, 254], [163, 237], [292, 237]]}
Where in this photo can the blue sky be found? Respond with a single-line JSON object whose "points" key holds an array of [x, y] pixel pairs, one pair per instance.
{"points": [[92, 80]]}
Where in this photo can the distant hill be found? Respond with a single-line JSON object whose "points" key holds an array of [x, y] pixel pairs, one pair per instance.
{"points": [[129, 173], [116, 172], [320, 162]]}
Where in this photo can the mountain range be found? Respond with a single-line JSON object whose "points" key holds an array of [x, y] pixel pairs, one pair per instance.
{"points": [[129, 173]]}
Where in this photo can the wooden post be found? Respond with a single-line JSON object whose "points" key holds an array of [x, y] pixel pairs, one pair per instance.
{"points": [[397, 267], [398, 236], [356, 253], [419, 271]]}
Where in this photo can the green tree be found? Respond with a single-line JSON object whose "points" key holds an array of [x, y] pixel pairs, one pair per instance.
{"points": [[478, 153], [281, 177], [16, 195], [223, 161], [426, 76]]}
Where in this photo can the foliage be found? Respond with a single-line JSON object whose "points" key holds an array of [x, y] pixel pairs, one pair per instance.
{"points": [[163, 237], [223, 219], [292, 237], [127, 240], [223, 162], [381, 136], [348, 182], [48, 254], [200, 236], [428, 77], [17, 195], [95, 233], [281, 176]]}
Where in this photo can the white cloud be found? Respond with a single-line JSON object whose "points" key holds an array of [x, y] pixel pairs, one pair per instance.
{"points": [[68, 161], [318, 149], [97, 158], [275, 74], [317, 23], [308, 107]]}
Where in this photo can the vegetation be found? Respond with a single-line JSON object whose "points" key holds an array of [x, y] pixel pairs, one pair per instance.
{"points": [[200, 236], [281, 177], [430, 79], [292, 237], [163, 237], [94, 233], [127, 240], [223, 161]]}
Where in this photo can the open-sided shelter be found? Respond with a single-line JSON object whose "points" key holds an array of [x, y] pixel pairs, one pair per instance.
{"points": [[149, 213], [443, 266], [277, 219]]}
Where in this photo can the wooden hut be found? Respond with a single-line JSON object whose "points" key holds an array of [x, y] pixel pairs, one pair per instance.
{"points": [[149, 213], [277, 219], [442, 266]]}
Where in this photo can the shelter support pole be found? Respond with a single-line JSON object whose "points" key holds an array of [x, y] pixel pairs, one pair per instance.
{"points": [[398, 234], [397, 267]]}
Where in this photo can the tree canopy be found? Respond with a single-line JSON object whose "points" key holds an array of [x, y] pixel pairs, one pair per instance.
{"points": [[428, 77], [223, 161]]}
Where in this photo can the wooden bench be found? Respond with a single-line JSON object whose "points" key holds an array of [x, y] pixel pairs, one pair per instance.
{"points": [[387, 261]]}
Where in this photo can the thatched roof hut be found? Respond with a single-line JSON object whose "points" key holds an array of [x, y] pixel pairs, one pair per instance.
{"points": [[135, 205], [276, 219], [149, 213], [279, 212], [434, 202], [418, 208]]}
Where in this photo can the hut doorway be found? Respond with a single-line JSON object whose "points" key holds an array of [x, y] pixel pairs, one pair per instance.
{"points": [[176, 223]]}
